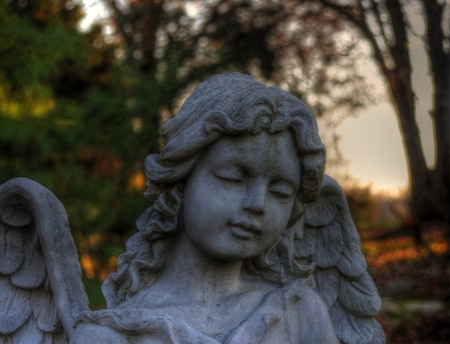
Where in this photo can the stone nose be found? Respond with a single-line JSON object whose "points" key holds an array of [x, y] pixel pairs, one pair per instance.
{"points": [[256, 197]]}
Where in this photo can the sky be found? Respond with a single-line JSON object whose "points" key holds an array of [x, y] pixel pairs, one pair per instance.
{"points": [[372, 141]]}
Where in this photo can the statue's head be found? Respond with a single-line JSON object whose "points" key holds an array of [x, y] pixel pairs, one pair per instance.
{"points": [[232, 105], [225, 128]]}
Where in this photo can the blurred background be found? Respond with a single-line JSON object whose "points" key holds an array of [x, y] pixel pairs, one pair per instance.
{"points": [[85, 87]]}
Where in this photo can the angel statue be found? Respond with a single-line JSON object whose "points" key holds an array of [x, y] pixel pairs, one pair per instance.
{"points": [[246, 241]]}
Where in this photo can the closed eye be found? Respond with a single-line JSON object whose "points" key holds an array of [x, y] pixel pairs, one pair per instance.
{"points": [[282, 191], [228, 178]]}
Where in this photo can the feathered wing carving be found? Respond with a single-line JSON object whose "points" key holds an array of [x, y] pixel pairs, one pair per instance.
{"points": [[41, 292], [331, 241]]}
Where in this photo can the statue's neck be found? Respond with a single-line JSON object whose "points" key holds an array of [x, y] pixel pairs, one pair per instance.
{"points": [[199, 275]]}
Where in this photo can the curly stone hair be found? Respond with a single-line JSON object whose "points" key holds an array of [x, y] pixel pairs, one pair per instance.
{"points": [[229, 104]]}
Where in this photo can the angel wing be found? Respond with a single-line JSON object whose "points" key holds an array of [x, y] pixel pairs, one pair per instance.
{"points": [[41, 292], [331, 241]]}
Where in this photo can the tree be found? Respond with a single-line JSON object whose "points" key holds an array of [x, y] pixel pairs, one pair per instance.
{"points": [[310, 47], [385, 25]]}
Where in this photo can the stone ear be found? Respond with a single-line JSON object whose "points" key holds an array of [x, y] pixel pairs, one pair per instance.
{"points": [[297, 212]]}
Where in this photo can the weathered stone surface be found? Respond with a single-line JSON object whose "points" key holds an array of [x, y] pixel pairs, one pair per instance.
{"points": [[242, 213]]}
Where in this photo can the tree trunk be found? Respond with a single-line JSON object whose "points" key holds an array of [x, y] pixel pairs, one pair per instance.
{"points": [[440, 68], [429, 186], [138, 28]]}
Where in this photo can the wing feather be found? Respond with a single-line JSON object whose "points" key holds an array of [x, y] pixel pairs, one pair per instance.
{"points": [[28, 333], [11, 249], [352, 329], [360, 296], [16, 307], [321, 212], [330, 239], [41, 292], [327, 285], [31, 273], [44, 311], [352, 262], [14, 212], [305, 246], [329, 245], [378, 334]]}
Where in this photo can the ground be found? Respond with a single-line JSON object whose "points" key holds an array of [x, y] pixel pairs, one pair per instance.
{"points": [[413, 281]]}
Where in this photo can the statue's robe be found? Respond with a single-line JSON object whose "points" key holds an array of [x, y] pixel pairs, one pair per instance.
{"points": [[293, 313]]}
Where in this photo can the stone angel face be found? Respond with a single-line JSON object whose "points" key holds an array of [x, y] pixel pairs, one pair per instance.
{"points": [[239, 198], [246, 241]]}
